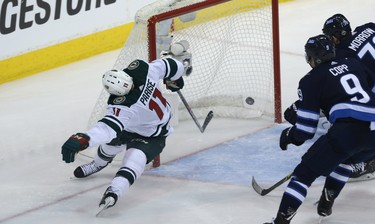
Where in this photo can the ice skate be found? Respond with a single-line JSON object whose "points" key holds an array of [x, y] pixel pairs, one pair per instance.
{"points": [[108, 200], [86, 170], [325, 203], [282, 219], [363, 171]]}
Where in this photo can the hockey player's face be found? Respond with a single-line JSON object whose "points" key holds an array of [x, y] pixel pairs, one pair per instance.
{"points": [[335, 40], [307, 58], [310, 61]]}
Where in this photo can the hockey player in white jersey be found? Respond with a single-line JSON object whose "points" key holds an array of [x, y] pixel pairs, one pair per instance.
{"points": [[137, 120]]}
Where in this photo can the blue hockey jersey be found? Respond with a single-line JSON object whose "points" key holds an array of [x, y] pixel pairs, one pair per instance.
{"points": [[360, 45], [341, 88]]}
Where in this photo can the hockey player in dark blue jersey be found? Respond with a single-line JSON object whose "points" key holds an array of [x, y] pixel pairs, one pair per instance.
{"points": [[361, 171], [342, 90], [358, 44]]}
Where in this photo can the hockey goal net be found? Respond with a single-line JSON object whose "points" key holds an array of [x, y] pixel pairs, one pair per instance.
{"points": [[235, 54]]}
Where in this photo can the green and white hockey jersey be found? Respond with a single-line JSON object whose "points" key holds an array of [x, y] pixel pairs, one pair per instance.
{"points": [[143, 110]]}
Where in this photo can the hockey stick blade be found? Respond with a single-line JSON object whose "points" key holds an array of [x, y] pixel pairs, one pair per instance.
{"points": [[209, 117], [258, 188], [188, 108], [264, 191]]}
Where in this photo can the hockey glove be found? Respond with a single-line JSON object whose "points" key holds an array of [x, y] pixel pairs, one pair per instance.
{"points": [[186, 60], [290, 114], [174, 85], [179, 51], [73, 145], [286, 138]]}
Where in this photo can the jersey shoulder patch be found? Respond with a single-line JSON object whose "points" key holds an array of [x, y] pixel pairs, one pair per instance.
{"points": [[127, 100], [138, 70]]}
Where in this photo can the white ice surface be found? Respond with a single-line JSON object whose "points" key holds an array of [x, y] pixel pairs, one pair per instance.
{"points": [[38, 113]]}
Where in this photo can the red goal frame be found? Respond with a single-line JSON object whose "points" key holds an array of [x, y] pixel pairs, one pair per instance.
{"points": [[151, 29]]}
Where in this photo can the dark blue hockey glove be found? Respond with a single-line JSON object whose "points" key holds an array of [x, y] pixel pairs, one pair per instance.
{"points": [[174, 85], [290, 114], [286, 138], [73, 145]]}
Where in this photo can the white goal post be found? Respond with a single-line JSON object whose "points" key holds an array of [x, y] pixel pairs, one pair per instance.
{"points": [[235, 55]]}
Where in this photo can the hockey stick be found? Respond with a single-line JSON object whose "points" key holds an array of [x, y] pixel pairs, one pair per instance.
{"points": [[206, 120], [264, 191]]}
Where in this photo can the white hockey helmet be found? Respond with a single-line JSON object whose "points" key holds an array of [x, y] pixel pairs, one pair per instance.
{"points": [[117, 82]]}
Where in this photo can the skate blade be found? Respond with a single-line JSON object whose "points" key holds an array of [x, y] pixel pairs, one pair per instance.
{"points": [[101, 210], [321, 219], [365, 177], [108, 203]]}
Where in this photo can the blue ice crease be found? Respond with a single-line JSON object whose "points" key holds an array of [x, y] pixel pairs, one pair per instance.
{"points": [[236, 161]]}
